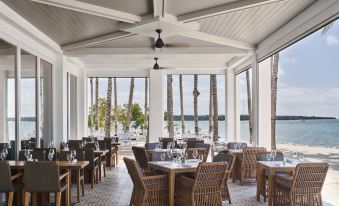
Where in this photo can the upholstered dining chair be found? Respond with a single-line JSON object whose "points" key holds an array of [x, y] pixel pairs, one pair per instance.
{"points": [[75, 144], [205, 188], [93, 166], [46, 150], [229, 158], [232, 145], [39, 155], [191, 142], [151, 146], [102, 146], [247, 164], [44, 177], [263, 157], [302, 188], [147, 190], [9, 183]]}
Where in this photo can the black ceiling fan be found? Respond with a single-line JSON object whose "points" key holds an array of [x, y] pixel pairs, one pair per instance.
{"points": [[156, 65], [159, 43]]}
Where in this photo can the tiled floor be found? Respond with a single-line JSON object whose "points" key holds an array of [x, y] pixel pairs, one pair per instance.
{"points": [[116, 190]]}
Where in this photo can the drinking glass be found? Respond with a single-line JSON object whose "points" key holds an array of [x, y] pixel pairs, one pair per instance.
{"points": [[195, 154], [268, 156], [301, 157], [73, 153], [51, 154], [69, 157], [29, 157], [294, 155], [2, 155], [162, 156], [169, 145], [274, 154], [26, 153], [201, 158], [5, 151], [169, 154]]}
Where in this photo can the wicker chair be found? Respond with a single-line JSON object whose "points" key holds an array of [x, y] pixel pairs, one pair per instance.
{"points": [[303, 188], [205, 188], [40, 155], [44, 177], [229, 158], [151, 146], [147, 190], [141, 157], [111, 156], [247, 164], [263, 157], [80, 156], [93, 166], [191, 142], [201, 151], [206, 146], [231, 145], [9, 184]]}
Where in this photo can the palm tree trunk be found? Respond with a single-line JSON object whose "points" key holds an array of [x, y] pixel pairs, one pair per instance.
{"points": [[91, 105], [96, 115], [182, 117], [115, 119], [146, 113], [215, 108], [210, 114], [249, 104], [129, 107], [170, 106], [195, 102], [274, 85], [108, 109]]}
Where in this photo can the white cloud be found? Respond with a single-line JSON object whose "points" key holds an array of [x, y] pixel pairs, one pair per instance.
{"points": [[281, 71], [331, 40]]}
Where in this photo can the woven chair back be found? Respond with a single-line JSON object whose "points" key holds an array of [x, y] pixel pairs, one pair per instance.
{"points": [[6, 184], [309, 178], [136, 174], [249, 161], [141, 157], [41, 177], [206, 146], [208, 181], [224, 157]]}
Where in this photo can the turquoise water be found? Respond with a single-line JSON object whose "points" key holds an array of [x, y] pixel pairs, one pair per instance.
{"points": [[309, 132]]}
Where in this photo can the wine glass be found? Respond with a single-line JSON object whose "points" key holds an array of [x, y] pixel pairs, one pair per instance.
{"points": [[169, 154], [29, 157], [63, 145], [2, 155], [73, 153], [274, 154], [201, 158], [195, 154], [26, 153], [51, 154], [162, 156], [5, 152], [301, 157], [69, 157], [268, 156], [294, 155]]}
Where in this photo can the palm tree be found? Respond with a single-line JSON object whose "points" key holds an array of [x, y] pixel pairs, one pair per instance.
{"points": [[146, 108], [215, 108], [96, 115], [210, 114], [170, 106], [129, 106], [91, 106], [195, 102], [182, 117], [108, 109], [274, 88], [115, 119], [249, 104]]}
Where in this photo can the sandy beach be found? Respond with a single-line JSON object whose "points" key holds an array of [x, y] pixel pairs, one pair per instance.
{"points": [[321, 154]]}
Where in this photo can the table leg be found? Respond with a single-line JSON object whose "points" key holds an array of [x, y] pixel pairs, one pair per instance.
{"points": [[100, 168], [270, 187], [69, 199], [78, 185], [259, 181], [171, 184]]}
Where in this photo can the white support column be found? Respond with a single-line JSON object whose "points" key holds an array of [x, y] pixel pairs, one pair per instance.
{"points": [[261, 84], [156, 105], [17, 100], [38, 102], [230, 103], [237, 107], [3, 107], [82, 104]]}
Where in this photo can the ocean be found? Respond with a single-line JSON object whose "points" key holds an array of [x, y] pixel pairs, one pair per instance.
{"points": [[308, 132]]}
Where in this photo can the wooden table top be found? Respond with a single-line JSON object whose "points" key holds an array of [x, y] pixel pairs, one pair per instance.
{"points": [[172, 166], [164, 150], [62, 164], [100, 152], [116, 143]]}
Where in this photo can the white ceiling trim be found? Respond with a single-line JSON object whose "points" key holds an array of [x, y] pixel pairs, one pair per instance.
{"points": [[159, 8], [92, 9], [222, 9], [97, 40], [149, 50], [236, 62]]}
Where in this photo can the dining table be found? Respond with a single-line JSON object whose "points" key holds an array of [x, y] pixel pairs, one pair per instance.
{"points": [[63, 165], [100, 154], [172, 168], [271, 168]]}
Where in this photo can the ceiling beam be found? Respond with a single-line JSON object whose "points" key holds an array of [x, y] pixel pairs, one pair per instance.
{"points": [[159, 8], [149, 50], [97, 40], [216, 39], [92, 9], [235, 62], [223, 9]]}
